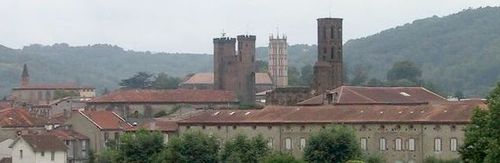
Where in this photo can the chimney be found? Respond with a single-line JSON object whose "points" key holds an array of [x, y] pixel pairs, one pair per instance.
{"points": [[331, 97]]}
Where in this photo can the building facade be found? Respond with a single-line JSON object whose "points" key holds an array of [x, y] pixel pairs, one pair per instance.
{"points": [[278, 60], [263, 81], [328, 71], [235, 70], [400, 133], [39, 149]]}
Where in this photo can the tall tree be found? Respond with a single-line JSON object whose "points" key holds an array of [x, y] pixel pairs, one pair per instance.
{"points": [[293, 76], [163, 81], [335, 145], [306, 75], [245, 150], [193, 147], [141, 80], [482, 141], [360, 75], [404, 70]]}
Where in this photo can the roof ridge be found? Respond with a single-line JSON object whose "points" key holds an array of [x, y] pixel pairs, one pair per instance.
{"points": [[90, 119]]}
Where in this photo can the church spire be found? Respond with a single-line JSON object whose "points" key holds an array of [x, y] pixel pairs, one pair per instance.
{"points": [[25, 78]]}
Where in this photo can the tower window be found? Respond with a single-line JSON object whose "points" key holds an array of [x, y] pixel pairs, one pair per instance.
{"points": [[332, 33], [332, 53], [324, 50]]}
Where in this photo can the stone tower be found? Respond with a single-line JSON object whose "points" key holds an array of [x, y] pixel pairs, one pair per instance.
{"points": [[278, 60], [25, 77], [235, 71], [328, 71]]}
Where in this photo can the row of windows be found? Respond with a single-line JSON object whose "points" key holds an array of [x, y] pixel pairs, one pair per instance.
{"points": [[42, 154], [398, 144]]}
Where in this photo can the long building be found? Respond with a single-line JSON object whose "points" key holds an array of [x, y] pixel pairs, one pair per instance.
{"points": [[399, 132]]}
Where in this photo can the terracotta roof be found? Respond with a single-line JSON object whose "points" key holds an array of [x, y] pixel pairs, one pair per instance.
{"points": [[378, 95], [158, 125], [64, 134], [5, 104], [208, 78], [167, 96], [447, 112], [57, 119], [43, 143], [19, 118], [106, 120], [63, 86]]}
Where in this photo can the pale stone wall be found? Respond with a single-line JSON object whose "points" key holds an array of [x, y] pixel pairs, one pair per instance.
{"points": [[97, 136], [423, 136], [28, 155]]}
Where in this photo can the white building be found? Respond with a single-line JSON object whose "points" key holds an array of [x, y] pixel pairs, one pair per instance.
{"points": [[38, 149]]}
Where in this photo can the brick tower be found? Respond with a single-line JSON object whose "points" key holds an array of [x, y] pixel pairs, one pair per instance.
{"points": [[235, 72], [328, 71], [278, 60], [25, 77]]}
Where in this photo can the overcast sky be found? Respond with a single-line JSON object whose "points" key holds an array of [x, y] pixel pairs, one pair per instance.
{"points": [[190, 25]]}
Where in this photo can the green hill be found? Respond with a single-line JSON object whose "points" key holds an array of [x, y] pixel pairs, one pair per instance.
{"points": [[459, 52]]}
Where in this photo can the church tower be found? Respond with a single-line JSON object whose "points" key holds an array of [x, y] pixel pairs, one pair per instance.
{"points": [[25, 77], [278, 60], [328, 72]]}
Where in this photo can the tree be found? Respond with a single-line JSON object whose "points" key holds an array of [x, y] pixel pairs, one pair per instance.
{"points": [[163, 81], [404, 70], [245, 150], [306, 75], [261, 66], [135, 147], [280, 158], [374, 82], [141, 80], [359, 75], [336, 145], [293, 76], [482, 143], [191, 147]]}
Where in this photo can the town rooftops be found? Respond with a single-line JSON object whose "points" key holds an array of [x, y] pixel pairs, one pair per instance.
{"points": [[167, 96], [376, 95], [14, 117], [208, 78], [106, 120], [66, 134], [42, 143], [447, 112], [52, 86]]}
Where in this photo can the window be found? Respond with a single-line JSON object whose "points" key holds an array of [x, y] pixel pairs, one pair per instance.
{"points": [[270, 143], [332, 53], [398, 144], [332, 32], [42, 153], [453, 144], [288, 144], [411, 144], [302, 143], [84, 148], [437, 144], [20, 154], [52, 155], [165, 138], [106, 136], [382, 144], [363, 144]]}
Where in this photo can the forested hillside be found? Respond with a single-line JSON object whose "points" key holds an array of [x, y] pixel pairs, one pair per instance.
{"points": [[459, 52]]}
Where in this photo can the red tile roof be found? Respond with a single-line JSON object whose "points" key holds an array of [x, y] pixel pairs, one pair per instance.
{"points": [[5, 104], [19, 118], [43, 143], [378, 95], [447, 112], [167, 96], [158, 125], [50, 86], [64, 134], [106, 120], [208, 78]]}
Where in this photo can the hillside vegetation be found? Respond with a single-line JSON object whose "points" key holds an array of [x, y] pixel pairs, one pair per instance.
{"points": [[459, 52]]}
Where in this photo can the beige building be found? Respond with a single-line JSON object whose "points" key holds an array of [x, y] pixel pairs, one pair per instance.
{"points": [[38, 149], [99, 126], [76, 143], [263, 81], [278, 60], [401, 133]]}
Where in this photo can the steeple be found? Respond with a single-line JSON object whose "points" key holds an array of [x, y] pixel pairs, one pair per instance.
{"points": [[25, 78]]}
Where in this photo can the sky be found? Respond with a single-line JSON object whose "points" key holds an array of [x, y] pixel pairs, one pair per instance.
{"points": [[188, 26]]}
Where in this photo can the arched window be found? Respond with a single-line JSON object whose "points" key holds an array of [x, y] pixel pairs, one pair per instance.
{"points": [[288, 144], [398, 144], [382, 144], [437, 144]]}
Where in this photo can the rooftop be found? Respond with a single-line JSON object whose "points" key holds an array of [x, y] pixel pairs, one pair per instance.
{"points": [[447, 112], [106, 120], [377, 95], [64, 134], [43, 142], [167, 96], [208, 78], [158, 125], [15, 117], [52, 86]]}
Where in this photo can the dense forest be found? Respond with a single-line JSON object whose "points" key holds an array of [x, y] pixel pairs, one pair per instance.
{"points": [[459, 52]]}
